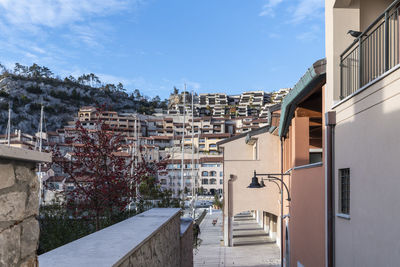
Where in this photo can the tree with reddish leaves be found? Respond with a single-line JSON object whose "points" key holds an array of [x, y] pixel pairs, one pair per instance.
{"points": [[104, 182]]}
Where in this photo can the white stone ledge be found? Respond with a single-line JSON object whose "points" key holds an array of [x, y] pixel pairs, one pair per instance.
{"points": [[108, 246], [15, 153]]}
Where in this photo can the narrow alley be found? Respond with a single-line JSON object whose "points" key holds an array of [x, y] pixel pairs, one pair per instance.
{"points": [[252, 246]]}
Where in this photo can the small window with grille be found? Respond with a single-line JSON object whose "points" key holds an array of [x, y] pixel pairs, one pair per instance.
{"points": [[344, 191]]}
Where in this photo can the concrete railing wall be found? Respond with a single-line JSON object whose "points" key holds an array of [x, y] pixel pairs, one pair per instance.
{"points": [[19, 206], [186, 243], [156, 237]]}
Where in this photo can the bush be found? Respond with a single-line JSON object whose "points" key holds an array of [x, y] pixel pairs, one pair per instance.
{"points": [[49, 110], [34, 90], [58, 228], [4, 94], [3, 106], [87, 99], [34, 107], [22, 101], [59, 94], [75, 95]]}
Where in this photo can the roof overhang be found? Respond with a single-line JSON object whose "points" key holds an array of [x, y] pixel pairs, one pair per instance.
{"points": [[313, 77]]}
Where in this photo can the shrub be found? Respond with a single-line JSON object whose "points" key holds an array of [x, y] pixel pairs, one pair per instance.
{"points": [[4, 94], [59, 94], [24, 100], [3, 106], [75, 95], [34, 90], [49, 109], [34, 107]]}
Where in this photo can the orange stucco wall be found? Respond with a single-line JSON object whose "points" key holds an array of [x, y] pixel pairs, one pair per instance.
{"points": [[307, 189], [307, 217]]}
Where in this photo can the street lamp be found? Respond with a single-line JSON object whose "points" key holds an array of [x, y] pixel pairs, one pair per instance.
{"points": [[271, 178]]}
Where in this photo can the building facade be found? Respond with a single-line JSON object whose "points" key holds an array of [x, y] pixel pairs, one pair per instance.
{"points": [[363, 95]]}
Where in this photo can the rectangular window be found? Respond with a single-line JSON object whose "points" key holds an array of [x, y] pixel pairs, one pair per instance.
{"points": [[344, 191]]}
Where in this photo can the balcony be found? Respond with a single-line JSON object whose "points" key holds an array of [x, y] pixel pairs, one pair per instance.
{"points": [[374, 52]]}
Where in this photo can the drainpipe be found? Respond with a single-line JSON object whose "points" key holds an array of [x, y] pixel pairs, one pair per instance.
{"points": [[282, 139], [330, 121]]}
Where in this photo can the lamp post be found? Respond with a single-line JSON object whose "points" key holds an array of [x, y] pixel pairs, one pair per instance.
{"points": [[271, 178]]}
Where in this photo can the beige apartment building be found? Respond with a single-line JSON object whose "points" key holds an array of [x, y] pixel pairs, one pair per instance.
{"points": [[362, 93], [124, 123], [243, 154]]}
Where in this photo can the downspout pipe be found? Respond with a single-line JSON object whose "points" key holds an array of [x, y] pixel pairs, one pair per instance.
{"points": [[330, 121], [282, 140]]}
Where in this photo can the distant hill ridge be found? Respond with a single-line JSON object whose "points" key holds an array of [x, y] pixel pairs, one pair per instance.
{"points": [[25, 88]]}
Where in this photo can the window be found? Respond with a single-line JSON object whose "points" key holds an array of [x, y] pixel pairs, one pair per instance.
{"points": [[213, 181], [221, 181], [208, 165], [221, 174], [213, 173], [344, 191], [204, 181], [205, 173]]}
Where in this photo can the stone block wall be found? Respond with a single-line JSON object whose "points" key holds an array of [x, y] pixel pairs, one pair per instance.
{"points": [[161, 249], [19, 207], [187, 247], [154, 238]]}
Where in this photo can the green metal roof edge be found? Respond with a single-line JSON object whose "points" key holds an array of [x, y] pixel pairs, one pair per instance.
{"points": [[272, 129], [316, 71]]}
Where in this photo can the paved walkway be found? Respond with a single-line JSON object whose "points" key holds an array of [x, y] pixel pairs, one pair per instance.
{"points": [[252, 248]]}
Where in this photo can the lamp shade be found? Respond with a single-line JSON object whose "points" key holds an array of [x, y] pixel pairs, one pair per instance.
{"points": [[254, 182]]}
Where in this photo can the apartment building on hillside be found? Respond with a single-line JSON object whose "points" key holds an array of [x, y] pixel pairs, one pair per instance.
{"points": [[119, 122], [217, 105], [277, 96], [251, 103]]}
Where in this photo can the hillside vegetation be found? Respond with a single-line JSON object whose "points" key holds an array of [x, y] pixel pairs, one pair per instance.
{"points": [[25, 88]]}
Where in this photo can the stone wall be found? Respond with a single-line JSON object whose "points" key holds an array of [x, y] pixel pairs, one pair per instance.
{"points": [[19, 206], [186, 243], [157, 237], [161, 249]]}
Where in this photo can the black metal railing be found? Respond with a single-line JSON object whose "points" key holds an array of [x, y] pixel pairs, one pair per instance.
{"points": [[373, 53]]}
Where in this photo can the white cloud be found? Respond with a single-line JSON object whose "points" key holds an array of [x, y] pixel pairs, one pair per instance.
{"points": [[42, 31], [55, 13], [306, 9], [298, 11], [273, 35], [268, 8], [313, 33]]}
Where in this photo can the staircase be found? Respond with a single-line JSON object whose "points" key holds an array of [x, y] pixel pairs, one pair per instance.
{"points": [[247, 232]]}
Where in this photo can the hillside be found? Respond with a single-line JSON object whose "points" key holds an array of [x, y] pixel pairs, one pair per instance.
{"points": [[61, 99]]}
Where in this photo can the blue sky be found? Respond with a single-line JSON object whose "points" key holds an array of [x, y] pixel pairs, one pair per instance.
{"points": [[212, 45]]}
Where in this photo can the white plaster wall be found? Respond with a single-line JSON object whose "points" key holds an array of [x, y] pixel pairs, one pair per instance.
{"points": [[367, 140]]}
